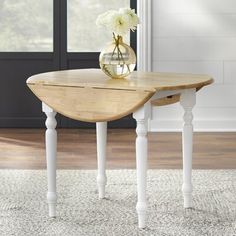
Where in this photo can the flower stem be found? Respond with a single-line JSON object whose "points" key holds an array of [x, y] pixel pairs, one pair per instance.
{"points": [[120, 57]]}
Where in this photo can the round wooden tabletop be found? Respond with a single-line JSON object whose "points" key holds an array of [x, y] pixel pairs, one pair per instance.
{"points": [[89, 95]]}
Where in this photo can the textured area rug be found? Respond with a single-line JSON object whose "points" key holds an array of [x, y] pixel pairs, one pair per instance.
{"points": [[23, 208]]}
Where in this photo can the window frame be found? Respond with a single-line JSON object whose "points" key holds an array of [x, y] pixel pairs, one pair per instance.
{"points": [[58, 59], [59, 54]]}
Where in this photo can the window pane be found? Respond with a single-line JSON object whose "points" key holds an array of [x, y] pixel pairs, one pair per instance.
{"points": [[26, 25], [83, 33]]}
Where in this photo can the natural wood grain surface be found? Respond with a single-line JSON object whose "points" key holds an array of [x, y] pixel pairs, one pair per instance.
{"points": [[89, 95], [25, 149], [166, 101], [95, 78], [88, 104]]}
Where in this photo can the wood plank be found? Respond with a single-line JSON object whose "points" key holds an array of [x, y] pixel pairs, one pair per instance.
{"points": [[213, 68], [166, 101], [88, 95], [95, 78], [90, 104], [194, 48], [199, 25], [193, 6], [24, 149]]}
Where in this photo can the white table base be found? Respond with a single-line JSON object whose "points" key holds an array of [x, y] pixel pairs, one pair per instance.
{"points": [[51, 154], [141, 116], [101, 128]]}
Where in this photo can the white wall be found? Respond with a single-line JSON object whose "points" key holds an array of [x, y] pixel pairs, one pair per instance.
{"points": [[197, 36]]}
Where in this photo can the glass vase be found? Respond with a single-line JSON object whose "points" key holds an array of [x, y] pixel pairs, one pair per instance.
{"points": [[117, 59]]}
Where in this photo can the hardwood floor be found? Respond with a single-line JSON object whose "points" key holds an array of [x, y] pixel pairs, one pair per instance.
{"points": [[24, 149]]}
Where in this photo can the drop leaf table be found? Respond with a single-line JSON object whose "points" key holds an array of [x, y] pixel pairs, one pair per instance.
{"points": [[88, 95]]}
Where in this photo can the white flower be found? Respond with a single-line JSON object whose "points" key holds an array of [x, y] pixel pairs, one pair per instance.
{"points": [[119, 23], [133, 18]]}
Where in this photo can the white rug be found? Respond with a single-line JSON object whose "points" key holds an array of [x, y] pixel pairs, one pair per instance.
{"points": [[23, 208]]}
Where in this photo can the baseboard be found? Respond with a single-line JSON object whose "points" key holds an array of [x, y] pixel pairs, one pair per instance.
{"points": [[199, 125]]}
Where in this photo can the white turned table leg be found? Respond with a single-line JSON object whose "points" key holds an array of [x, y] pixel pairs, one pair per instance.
{"points": [[141, 117], [187, 100], [101, 129], [51, 153]]}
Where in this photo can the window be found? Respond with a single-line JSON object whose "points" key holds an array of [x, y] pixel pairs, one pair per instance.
{"points": [[83, 34], [26, 26], [47, 35]]}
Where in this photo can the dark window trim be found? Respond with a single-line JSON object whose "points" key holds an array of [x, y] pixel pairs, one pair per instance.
{"points": [[26, 55], [133, 35]]}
